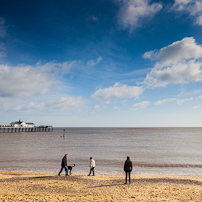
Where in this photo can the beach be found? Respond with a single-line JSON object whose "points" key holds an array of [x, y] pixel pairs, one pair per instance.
{"points": [[22, 186]]}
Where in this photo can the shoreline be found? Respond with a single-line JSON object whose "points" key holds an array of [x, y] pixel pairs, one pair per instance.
{"points": [[6, 173], [25, 186]]}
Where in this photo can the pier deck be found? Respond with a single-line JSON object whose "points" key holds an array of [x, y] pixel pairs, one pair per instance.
{"points": [[7, 129]]}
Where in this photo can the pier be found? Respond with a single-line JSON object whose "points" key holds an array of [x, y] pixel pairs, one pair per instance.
{"points": [[11, 129]]}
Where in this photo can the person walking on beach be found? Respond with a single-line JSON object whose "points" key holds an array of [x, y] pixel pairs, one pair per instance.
{"points": [[64, 165], [92, 166], [128, 168]]}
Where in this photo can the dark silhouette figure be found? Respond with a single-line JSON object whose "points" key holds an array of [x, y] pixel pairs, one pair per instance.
{"points": [[128, 168]]}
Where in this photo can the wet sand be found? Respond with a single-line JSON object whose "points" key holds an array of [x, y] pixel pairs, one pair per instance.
{"points": [[15, 186]]}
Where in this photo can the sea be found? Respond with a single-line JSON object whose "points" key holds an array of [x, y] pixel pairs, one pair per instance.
{"points": [[162, 151]]}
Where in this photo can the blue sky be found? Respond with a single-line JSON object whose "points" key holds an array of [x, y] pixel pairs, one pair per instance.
{"points": [[103, 63]]}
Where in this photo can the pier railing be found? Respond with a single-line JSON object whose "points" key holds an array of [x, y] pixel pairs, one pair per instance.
{"points": [[7, 129]]}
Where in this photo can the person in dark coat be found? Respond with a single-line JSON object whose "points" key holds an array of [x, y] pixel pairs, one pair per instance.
{"points": [[128, 168], [64, 165]]}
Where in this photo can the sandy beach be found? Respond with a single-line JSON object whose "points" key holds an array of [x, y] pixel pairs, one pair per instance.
{"points": [[15, 186]]}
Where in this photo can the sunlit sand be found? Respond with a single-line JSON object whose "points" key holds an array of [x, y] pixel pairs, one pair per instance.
{"points": [[15, 186]]}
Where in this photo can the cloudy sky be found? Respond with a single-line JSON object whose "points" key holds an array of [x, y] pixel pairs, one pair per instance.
{"points": [[118, 63]]}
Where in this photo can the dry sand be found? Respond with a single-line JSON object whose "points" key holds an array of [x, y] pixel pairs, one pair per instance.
{"points": [[77, 187]]}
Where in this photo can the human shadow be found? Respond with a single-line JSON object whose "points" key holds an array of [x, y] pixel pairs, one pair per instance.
{"points": [[35, 178], [151, 181]]}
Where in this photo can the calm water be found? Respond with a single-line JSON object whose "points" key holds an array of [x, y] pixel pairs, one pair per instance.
{"points": [[152, 150]]}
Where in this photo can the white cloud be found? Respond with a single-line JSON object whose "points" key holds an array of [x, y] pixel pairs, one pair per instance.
{"points": [[133, 12], [176, 52], [160, 102], [179, 73], [23, 81], [26, 80], [2, 51], [62, 68], [180, 101], [197, 107], [67, 102], [108, 102], [192, 7], [140, 105], [67, 66], [176, 63], [199, 20], [93, 18], [29, 107], [118, 91], [115, 107], [21, 105], [6, 103], [3, 32], [93, 63], [96, 106]]}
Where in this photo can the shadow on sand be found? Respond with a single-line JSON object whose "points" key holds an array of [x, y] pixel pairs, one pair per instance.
{"points": [[151, 181]]}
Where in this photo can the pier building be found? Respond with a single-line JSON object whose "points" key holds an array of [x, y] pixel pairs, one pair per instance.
{"points": [[21, 126]]}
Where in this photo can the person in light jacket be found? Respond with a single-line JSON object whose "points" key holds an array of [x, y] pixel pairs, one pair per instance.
{"points": [[128, 168], [92, 166]]}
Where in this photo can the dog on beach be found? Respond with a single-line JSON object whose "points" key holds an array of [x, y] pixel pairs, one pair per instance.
{"points": [[70, 169]]}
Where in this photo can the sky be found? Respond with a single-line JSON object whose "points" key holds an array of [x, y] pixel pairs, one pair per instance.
{"points": [[103, 63]]}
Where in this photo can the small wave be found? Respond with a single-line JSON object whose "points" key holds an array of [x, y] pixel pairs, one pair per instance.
{"points": [[168, 165]]}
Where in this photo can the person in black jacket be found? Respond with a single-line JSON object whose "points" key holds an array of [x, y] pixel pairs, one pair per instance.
{"points": [[128, 168], [64, 165]]}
